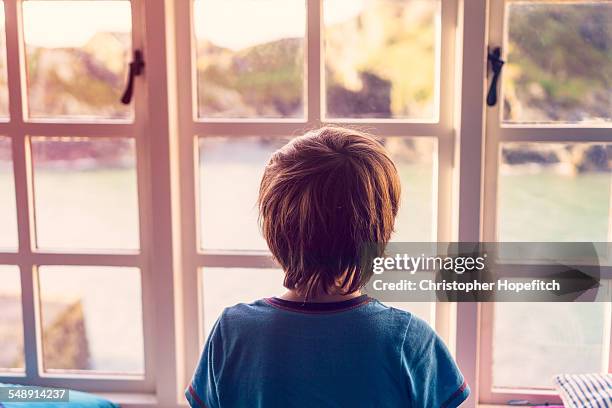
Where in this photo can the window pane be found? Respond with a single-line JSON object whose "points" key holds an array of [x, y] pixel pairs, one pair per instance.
{"points": [[231, 170], [224, 287], [11, 321], [4, 112], [250, 58], [77, 67], [91, 319], [547, 339], [230, 173], [559, 62], [381, 58], [561, 191], [85, 193], [8, 214], [415, 161]]}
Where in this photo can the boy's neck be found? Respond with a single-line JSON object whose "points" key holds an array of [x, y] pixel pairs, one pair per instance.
{"points": [[294, 296]]}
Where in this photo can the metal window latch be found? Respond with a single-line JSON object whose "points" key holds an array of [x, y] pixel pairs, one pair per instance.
{"points": [[496, 63], [136, 69]]}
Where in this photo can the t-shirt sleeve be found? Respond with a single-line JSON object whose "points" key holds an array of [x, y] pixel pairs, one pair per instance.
{"points": [[202, 391], [433, 376]]}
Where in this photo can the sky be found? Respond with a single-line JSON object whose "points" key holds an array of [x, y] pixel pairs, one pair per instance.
{"points": [[233, 24], [72, 23], [237, 24]]}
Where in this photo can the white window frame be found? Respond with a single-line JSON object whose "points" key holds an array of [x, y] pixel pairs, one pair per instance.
{"points": [[498, 132], [149, 130], [166, 129]]}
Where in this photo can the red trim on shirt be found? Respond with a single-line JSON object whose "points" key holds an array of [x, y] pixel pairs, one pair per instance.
{"points": [[455, 395], [318, 308], [195, 396]]}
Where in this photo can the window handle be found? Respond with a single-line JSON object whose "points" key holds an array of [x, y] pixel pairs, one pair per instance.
{"points": [[136, 69], [496, 63]]}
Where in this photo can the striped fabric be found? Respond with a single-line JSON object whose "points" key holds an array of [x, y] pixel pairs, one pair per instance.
{"points": [[585, 390]]}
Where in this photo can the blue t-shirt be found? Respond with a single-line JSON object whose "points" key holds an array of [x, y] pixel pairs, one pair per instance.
{"points": [[355, 353]]}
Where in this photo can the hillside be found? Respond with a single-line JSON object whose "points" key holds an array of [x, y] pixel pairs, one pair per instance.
{"points": [[560, 68]]}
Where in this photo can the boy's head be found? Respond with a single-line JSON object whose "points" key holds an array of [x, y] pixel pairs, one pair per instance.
{"points": [[323, 197]]}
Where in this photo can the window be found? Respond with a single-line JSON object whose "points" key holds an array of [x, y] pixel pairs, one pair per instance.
{"points": [[575, 342], [3, 79], [83, 59], [85, 193], [11, 332], [293, 66], [76, 303], [8, 234], [75, 203], [370, 53], [254, 72], [547, 166], [542, 183], [146, 211], [544, 81]]}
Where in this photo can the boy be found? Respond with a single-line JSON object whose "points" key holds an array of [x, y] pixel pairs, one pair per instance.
{"points": [[323, 344]]}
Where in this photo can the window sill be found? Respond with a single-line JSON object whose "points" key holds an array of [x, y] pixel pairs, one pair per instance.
{"points": [[130, 400]]}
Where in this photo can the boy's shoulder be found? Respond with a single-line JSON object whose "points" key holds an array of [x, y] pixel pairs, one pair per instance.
{"points": [[241, 311], [393, 320]]}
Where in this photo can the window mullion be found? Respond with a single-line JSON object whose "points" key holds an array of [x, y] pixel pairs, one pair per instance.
{"points": [[472, 24], [313, 58], [608, 332], [155, 187], [22, 181], [554, 134], [493, 118], [14, 61]]}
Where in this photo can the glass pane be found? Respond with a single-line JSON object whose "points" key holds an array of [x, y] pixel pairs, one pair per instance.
{"points": [[4, 112], [547, 339], [381, 58], [415, 161], [85, 193], [91, 319], [11, 322], [230, 173], [561, 191], [559, 62], [231, 170], [77, 53], [8, 214], [250, 58], [224, 287]]}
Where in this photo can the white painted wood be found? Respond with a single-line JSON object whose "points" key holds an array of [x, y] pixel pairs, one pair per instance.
{"points": [[19, 128], [498, 132], [48, 258], [314, 62], [157, 131], [54, 128], [296, 128], [472, 28], [184, 81], [22, 182]]}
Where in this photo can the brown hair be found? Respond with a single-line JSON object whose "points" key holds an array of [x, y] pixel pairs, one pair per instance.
{"points": [[323, 197]]}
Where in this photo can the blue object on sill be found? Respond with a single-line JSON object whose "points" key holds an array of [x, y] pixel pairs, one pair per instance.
{"points": [[76, 399]]}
